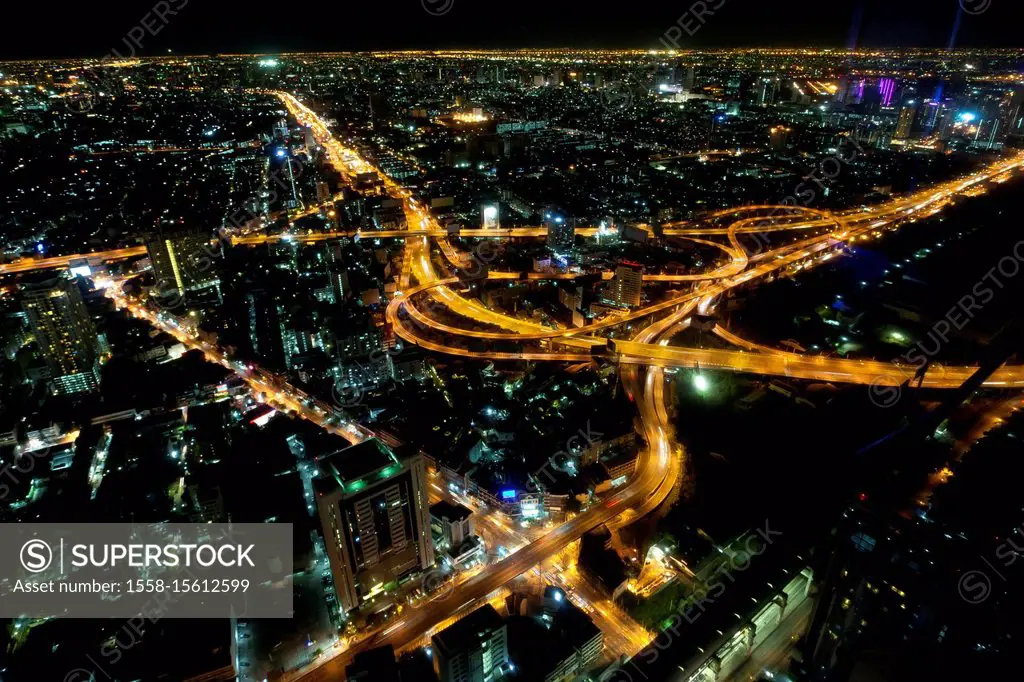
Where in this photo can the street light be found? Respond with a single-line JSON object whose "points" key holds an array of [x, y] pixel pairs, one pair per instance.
{"points": [[701, 383]]}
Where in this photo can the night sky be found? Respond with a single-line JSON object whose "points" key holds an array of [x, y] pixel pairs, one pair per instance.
{"points": [[211, 26]]}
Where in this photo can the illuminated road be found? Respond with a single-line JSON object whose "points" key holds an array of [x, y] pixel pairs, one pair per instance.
{"points": [[650, 484], [653, 478], [660, 466], [849, 227], [279, 393], [623, 635], [238, 236], [648, 481], [817, 368], [476, 233], [30, 264]]}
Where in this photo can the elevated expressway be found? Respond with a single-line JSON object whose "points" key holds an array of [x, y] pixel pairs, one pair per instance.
{"points": [[30, 264], [847, 227], [238, 236], [658, 467]]}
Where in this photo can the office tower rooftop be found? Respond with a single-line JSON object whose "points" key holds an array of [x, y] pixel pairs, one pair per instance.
{"points": [[374, 513], [474, 649]]}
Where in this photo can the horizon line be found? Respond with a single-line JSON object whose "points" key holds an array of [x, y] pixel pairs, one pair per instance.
{"points": [[527, 50]]}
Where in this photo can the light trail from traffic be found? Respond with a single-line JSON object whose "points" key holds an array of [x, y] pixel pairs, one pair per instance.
{"points": [[279, 393], [660, 465], [651, 482], [850, 227], [623, 635]]}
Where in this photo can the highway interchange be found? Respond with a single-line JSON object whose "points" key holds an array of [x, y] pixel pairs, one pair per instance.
{"points": [[642, 359], [661, 464]]}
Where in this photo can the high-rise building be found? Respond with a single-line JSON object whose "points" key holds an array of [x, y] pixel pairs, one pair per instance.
{"points": [[490, 217], [373, 509], [945, 119], [779, 138], [628, 284], [567, 645], [842, 90], [452, 530], [930, 115], [767, 91], [281, 129], [454, 522], [182, 262], [266, 326], [690, 80], [363, 373], [65, 334], [561, 231], [886, 91], [338, 277], [323, 192], [334, 253], [474, 649], [1016, 116], [905, 122], [409, 365], [1010, 116], [299, 341], [571, 297], [990, 128], [358, 344]]}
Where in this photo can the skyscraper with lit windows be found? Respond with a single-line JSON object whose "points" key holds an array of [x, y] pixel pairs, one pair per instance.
{"points": [[627, 287], [905, 122], [561, 231], [375, 516], [67, 339], [182, 262]]}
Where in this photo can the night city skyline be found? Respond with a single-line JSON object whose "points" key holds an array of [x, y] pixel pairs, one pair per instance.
{"points": [[442, 341], [231, 26]]}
